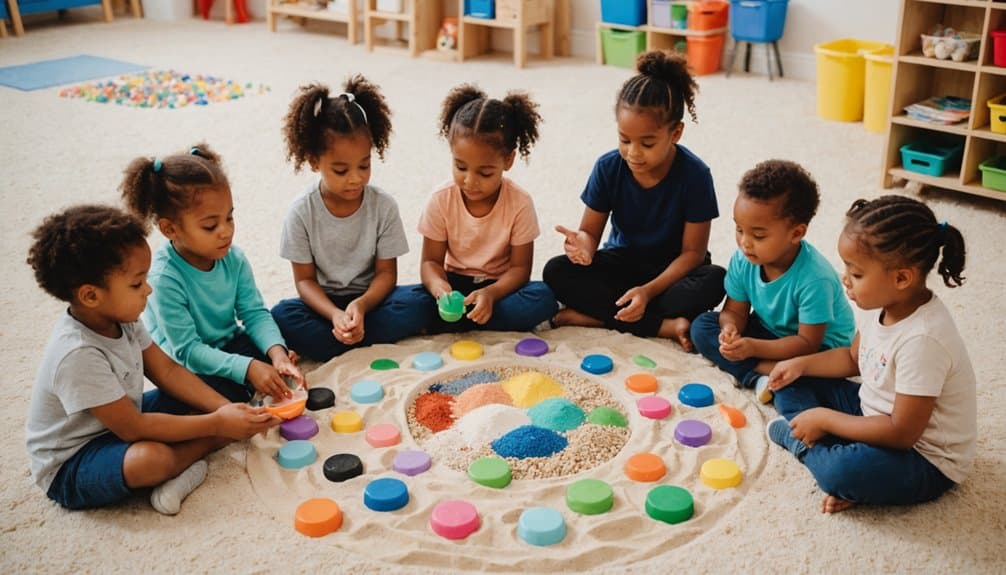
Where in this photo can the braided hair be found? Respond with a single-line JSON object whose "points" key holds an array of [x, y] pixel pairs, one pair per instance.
{"points": [[155, 188], [662, 84], [904, 232], [508, 124]]}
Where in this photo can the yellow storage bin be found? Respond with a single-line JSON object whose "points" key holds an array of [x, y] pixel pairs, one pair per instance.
{"points": [[997, 114], [877, 89], [841, 77]]}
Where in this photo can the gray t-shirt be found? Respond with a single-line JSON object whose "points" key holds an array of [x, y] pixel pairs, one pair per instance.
{"points": [[343, 250], [80, 369]]}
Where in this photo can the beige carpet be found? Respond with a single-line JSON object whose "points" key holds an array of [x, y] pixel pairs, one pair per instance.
{"points": [[57, 152]]}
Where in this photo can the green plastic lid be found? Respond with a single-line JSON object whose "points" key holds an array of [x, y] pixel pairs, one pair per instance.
{"points": [[670, 504], [490, 471], [643, 361], [383, 364], [607, 416], [590, 497]]}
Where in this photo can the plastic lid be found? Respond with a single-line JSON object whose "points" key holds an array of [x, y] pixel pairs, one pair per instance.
{"points": [[454, 519], [346, 422], [643, 361], [296, 454], [590, 497], [317, 517], [531, 347], [693, 433], [319, 398], [641, 383], [670, 504], [289, 408], [367, 391], [451, 306], [383, 364], [696, 395], [466, 350], [411, 462], [720, 473], [385, 494], [541, 526], [645, 467], [342, 466], [734, 416], [653, 407], [383, 435], [427, 361], [300, 427], [597, 363], [490, 471]]}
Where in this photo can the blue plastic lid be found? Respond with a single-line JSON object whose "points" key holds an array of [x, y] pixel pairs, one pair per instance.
{"points": [[696, 395], [427, 361], [541, 526], [597, 364], [367, 391], [296, 454], [385, 494]]}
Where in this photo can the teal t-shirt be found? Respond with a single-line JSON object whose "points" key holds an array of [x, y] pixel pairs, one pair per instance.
{"points": [[809, 292]]}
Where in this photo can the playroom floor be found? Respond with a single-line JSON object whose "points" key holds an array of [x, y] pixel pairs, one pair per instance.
{"points": [[58, 151]]}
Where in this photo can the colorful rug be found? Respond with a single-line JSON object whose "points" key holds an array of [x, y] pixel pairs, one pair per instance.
{"points": [[48, 73], [163, 89]]}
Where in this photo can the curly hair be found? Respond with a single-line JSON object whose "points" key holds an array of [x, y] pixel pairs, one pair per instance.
{"points": [[508, 124], [314, 118], [904, 232], [781, 178], [154, 188], [82, 245], [663, 84]]}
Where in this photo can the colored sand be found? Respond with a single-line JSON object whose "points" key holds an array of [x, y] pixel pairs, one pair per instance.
{"points": [[461, 384], [557, 414], [531, 387], [162, 89], [480, 426], [607, 416], [433, 411], [529, 441], [479, 395]]}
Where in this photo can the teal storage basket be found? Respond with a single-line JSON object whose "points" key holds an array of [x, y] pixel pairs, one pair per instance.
{"points": [[931, 157]]}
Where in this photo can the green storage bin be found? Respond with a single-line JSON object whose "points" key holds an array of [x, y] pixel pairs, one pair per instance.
{"points": [[620, 47], [994, 173]]}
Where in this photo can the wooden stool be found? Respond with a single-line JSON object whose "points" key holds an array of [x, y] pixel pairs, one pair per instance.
{"points": [[769, 48], [421, 16]]}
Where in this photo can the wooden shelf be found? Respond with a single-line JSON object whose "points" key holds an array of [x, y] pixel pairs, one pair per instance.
{"points": [[918, 58], [684, 32], [275, 8], [960, 129], [474, 33]]}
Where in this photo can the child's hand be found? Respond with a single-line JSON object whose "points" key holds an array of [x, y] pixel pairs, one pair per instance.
{"points": [[241, 421], [637, 301], [347, 326], [784, 373], [728, 334], [579, 246], [737, 350], [810, 426], [286, 364], [483, 302], [266, 380]]}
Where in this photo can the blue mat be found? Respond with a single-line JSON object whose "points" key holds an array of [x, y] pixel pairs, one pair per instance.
{"points": [[48, 73]]}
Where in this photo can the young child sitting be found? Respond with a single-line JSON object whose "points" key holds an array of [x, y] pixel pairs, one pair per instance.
{"points": [[206, 311], [784, 298], [907, 433], [93, 436], [344, 236], [479, 229]]}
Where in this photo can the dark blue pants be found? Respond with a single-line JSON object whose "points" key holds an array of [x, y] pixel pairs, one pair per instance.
{"points": [[522, 310], [706, 338]]}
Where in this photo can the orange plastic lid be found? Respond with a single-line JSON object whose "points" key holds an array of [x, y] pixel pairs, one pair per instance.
{"points": [[289, 408], [734, 416], [317, 517], [645, 467], [641, 383]]}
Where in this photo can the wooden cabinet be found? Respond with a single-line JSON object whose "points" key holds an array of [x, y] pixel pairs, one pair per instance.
{"points": [[306, 10], [917, 77], [515, 15]]}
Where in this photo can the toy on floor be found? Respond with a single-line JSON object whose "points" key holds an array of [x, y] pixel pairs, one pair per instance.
{"points": [[240, 9]]}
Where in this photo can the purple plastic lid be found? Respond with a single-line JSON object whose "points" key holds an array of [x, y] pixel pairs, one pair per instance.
{"points": [[300, 427], [693, 433], [531, 346], [411, 462]]}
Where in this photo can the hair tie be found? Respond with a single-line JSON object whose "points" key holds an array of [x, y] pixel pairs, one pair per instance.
{"points": [[157, 165], [943, 226], [317, 106], [352, 100], [194, 151]]}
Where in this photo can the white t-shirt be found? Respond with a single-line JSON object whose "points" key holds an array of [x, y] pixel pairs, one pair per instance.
{"points": [[923, 355], [81, 369]]}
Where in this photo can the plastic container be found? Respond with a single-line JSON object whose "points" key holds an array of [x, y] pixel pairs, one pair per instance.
{"points": [[620, 47], [959, 47], [704, 54], [481, 9], [841, 77], [625, 12], [708, 15], [757, 20], [999, 47], [932, 157], [660, 13], [997, 114], [994, 173], [877, 90], [679, 16]]}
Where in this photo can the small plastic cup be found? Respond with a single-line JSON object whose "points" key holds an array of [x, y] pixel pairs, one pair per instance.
{"points": [[451, 306]]}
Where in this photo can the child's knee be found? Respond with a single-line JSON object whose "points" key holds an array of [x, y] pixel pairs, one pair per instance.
{"points": [[149, 463]]}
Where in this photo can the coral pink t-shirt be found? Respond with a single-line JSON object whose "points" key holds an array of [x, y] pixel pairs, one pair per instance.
{"points": [[479, 247]]}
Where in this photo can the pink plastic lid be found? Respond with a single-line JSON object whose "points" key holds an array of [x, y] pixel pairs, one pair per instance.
{"points": [[454, 519], [383, 435], [654, 407]]}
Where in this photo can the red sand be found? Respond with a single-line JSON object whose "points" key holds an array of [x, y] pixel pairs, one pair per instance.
{"points": [[433, 411]]}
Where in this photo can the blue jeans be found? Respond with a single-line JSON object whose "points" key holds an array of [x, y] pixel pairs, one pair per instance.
{"points": [[706, 339], [855, 471], [520, 311], [93, 476], [405, 312]]}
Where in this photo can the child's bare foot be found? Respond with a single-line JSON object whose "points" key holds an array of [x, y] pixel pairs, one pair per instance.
{"points": [[570, 316], [832, 504], [677, 328]]}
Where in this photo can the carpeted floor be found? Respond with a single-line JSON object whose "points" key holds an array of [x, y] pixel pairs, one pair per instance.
{"points": [[56, 152]]}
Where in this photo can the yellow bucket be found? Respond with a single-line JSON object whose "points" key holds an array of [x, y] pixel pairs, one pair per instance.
{"points": [[841, 77], [877, 89]]}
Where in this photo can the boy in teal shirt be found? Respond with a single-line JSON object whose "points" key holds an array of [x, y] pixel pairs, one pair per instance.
{"points": [[784, 299]]}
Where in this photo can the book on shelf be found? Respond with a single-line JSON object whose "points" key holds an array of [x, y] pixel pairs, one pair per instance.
{"points": [[941, 110]]}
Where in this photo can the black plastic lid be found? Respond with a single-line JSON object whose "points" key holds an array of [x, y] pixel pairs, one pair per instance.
{"points": [[320, 398], [342, 466]]}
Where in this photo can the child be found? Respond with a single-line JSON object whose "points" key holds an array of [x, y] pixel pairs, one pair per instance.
{"points": [[479, 229], [907, 434], [654, 274], [797, 300], [343, 236], [206, 311], [93, 436]]}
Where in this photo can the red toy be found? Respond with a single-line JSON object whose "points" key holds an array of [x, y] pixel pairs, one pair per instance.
{"points": [[240, 8]]}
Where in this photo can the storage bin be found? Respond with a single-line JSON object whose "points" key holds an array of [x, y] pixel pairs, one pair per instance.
{"points": [[877, 89], [997, 114], [757, 20], [932, 157], [994, 173], [708, 15], [620, 47], [625, 12], [841, 75], [999, 47], [481, 8], [959, 47], [660, 13], [704, 54], [679, 16]]}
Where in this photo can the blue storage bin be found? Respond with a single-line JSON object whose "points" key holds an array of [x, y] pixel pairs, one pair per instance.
{"points": [[626, 12], [757, 20], [481, 8], [932, 157]]}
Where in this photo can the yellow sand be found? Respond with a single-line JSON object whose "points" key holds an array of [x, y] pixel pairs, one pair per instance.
{"points": [[530, 388]]}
